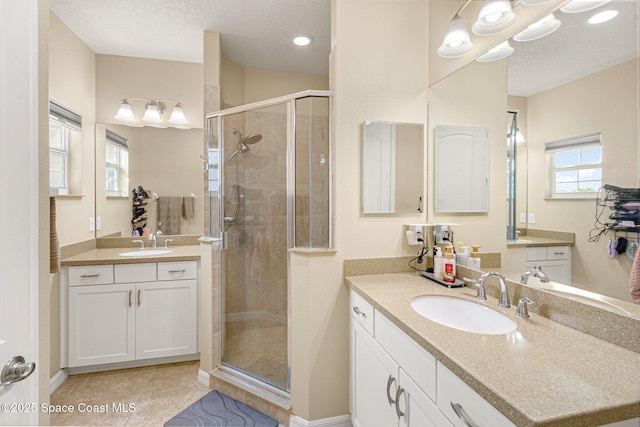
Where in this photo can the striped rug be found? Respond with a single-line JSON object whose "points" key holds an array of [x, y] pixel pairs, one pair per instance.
{"points": [[217, 409]]}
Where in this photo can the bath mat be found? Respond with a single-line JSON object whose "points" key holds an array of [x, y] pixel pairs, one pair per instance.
{"points": [[217, 409]]}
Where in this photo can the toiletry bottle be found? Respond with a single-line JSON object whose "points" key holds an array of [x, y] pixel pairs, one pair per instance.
{"points": [[474, 259], [461, 256], [438, 264], [449, 274]]}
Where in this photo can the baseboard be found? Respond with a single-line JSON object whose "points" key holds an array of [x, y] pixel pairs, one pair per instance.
{"points": [[203, 377], [340, 421], [57, 380]]}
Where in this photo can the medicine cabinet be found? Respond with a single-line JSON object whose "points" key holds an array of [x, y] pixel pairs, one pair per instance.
{"points": [[461, 169], [392, 167]]}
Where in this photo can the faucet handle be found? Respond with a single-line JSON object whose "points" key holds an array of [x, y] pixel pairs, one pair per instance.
{"points": [[480, 287], [139, 241], [522, 307], [166, 242]]}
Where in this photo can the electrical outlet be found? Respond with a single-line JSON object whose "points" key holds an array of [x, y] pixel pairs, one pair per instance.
{"points": [[98, 223], [523, 218], [532, 218], [92, 224]]}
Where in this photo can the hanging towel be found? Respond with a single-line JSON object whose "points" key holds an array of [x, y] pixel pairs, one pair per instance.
{"points": [[189, 207], [169, 214], [634, 281]]}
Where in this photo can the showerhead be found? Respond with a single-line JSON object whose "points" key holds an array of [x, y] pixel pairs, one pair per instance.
{"points": [[243, 144]]}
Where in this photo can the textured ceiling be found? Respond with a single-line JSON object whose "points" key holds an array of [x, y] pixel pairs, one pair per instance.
{"points": [[254, 33], [258, 33], [574, 50]]}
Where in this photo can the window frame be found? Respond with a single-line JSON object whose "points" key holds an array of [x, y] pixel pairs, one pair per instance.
{"points": [[552, 149], [120, 144]]}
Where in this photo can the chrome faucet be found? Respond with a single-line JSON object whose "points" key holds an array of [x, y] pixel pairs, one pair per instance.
{"points": [[152, 237], [535, 272], [503, 301]]}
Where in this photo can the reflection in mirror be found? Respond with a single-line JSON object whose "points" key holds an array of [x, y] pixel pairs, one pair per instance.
{"points": [[392, 167], [165, 164], [599, 98], [65, 150]]}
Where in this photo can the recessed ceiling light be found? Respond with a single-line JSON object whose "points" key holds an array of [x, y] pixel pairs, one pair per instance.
{"points": [[302, 40], [578, 6], [604, 16]]}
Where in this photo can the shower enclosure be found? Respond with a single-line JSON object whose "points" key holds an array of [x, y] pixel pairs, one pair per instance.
{"points": [[269, 191]]}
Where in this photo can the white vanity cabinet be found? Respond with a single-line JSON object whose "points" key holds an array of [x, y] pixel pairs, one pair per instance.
{"points": [[555, 261], [382, 392], [396, 382], [125, 312]]}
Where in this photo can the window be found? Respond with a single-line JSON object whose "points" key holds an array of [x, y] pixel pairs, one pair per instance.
{"points": [[117, 164], [63, 124], [575, 166]]}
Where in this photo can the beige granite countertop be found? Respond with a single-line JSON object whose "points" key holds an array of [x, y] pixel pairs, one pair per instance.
{"points": [[542, 374], [527, 241], [112, 256]]}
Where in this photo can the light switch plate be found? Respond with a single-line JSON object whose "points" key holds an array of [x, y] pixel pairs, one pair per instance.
{"points": [[92, 224], [532, 218], [98, 223], [523, 218]]}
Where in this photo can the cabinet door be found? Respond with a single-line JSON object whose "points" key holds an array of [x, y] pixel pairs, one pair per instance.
{"points": [[419, 409], [452, 391], [557, 271], [166, 318], [374, 382], [101, 324]]}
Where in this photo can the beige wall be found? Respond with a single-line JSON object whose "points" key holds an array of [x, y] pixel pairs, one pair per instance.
{"points": [[475, 96], [72, 73], [605, 102], [379, 71], [241, 85]]}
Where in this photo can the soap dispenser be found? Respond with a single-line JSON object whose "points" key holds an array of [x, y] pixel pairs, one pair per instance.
{"points": [[474, 259], [462, 255], [449, 273], [438, 264]]}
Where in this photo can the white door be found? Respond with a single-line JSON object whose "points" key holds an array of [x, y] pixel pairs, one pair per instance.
{"points": [[19, 204]]}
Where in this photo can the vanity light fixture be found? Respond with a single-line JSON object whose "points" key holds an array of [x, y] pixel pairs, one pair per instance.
{"points": [[578, 6], [302, 40], [604, 16], [457, 41], [539, 29], [153, 114], [495, 17], [501, 51]]}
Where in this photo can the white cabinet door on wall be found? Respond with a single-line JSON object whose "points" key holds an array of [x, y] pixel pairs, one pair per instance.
{"points": [[166, 318], [375, 376], [461, 169], [101, 324]]}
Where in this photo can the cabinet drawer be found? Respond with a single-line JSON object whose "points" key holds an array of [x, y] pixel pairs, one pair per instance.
{"points": [[178, 270], [536, 253], [453, 391], [362, 312], [131, 273], [91, 275], [558, 252], [417, 362]]}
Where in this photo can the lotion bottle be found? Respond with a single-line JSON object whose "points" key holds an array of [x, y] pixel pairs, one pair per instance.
{"points": [[474, 259], [449, 274], [462, 255], [438, 264]]}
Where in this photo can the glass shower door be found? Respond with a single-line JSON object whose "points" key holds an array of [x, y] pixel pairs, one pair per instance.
{"points": [[255, 244]]}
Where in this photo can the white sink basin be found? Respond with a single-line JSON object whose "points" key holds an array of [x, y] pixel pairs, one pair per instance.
{"points": [[463, 315], [146, 252]]}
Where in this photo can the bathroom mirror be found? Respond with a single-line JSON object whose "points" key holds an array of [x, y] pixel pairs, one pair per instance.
{"points": [[603, 100], [392, 167], [166, 163]]}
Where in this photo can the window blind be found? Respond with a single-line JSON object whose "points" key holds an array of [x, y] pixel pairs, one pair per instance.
{"points": [[65, 116], [573, 142], [118, 140]]}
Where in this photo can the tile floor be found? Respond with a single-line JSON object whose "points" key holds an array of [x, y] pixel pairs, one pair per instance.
{"points": [[157, 392]]}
